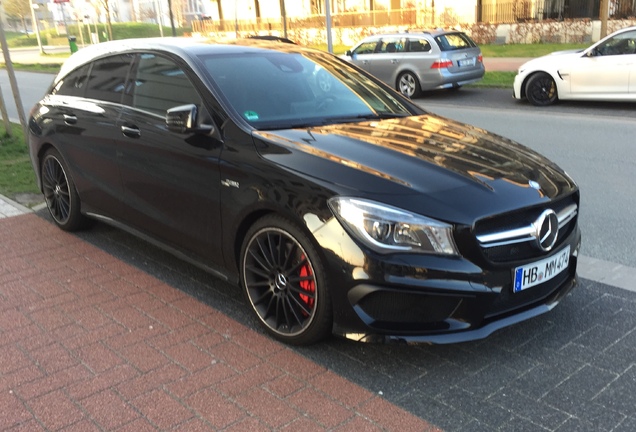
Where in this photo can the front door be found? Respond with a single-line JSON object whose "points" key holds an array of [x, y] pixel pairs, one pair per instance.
{"points": [[171, 180]]}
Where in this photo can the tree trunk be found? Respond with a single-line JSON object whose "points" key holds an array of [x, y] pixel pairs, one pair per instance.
{"points": [[219, 9]]}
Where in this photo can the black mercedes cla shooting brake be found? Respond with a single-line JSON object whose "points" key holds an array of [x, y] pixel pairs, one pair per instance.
{"points": [[336, 204]]}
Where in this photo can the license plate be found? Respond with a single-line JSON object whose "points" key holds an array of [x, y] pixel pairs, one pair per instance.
{"points": [[466, 62], [538, 272]]}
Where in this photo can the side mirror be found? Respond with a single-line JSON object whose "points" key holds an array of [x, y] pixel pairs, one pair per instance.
{"points": [[183, 119], [348, 53]]}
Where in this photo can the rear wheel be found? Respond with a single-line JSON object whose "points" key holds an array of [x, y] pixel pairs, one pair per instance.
{"points": [[284, 280], [541, 89], [60, 194], [409, 85]]}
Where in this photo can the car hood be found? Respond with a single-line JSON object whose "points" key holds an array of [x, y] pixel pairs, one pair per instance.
{"points": [[554, 59], [427, 164]]}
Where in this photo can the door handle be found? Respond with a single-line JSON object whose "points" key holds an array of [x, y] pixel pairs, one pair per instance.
{"points": [[131, 132], [70, 119], [394, 61], [365, 61]]}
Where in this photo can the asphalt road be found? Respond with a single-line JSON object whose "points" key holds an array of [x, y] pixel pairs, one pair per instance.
{"points": [[502, 99], [32, 86]]}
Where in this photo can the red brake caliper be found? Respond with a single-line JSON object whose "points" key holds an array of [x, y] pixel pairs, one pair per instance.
{"points": [[307, 285]]}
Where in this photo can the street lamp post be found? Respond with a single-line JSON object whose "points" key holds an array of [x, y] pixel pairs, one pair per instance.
{"points": [[328, 21], [37, 26]]}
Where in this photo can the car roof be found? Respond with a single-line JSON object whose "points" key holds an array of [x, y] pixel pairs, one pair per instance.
{"points": [[183, 47], [433, 32]]}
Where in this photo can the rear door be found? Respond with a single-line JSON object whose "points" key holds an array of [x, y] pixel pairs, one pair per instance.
{"points": [[86, 106], [385, 63], [171, 181]]}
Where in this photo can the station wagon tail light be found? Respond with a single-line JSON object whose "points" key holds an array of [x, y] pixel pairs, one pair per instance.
{"points": [[480, 58], [441, 64]]}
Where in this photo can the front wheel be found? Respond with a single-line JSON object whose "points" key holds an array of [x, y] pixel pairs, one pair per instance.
{"points": [[409, 85], [60, 194], [541, 89], [284, 279]]}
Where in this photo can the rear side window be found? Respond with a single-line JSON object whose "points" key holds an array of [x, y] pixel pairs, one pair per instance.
{"points": [[161, 84], [108, 78], [392, 45], [418, 45], [73, 84], [454, 41]]}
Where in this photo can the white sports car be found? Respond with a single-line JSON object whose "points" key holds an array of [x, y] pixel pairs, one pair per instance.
{"points": [[604, 71]]}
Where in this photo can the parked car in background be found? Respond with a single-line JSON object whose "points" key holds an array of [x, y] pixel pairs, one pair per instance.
{"points": [[417, 61], [338, 208], [604, 71]]}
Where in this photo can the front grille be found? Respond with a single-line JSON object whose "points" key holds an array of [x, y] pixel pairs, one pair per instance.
{"points": [[510, 237]]}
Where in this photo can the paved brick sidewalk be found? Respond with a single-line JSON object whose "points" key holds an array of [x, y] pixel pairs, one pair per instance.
{"points": [[88, 342], [503, 64]]}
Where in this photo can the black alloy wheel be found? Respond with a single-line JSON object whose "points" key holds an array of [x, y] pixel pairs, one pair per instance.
{"points": [[285, 283], [59, 193], [408, 85], [541, 89]]}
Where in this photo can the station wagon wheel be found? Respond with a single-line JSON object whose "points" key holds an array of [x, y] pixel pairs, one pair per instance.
{"points": [[408, 85], [541, 89], [60, 194], [285, 282]]}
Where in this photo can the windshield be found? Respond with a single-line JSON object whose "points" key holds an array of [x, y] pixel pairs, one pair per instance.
{"points": [[282, 90]]}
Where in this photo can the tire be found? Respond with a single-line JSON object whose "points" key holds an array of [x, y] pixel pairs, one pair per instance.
{"points": [[60, 194], [541, 89], [285, 282], [408, 85]]}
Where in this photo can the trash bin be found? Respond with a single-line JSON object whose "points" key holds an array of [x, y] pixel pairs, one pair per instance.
{"points": [[72, 42]]}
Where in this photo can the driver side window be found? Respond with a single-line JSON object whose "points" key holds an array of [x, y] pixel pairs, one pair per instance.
{"points": [[366, 48], [622, 44], [161, 84]]}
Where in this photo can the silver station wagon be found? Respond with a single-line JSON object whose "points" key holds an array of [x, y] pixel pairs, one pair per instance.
{"points": [[416, 61]]}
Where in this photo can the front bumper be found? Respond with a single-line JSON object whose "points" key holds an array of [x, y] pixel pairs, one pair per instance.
{"points": [[433, 299], [517, 91]]}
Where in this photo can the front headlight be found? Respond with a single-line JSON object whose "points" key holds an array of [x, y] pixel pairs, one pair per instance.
{"points": [[387, 229]]}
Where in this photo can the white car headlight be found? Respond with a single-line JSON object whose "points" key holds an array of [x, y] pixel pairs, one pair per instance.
{"points": [[387, 229]]}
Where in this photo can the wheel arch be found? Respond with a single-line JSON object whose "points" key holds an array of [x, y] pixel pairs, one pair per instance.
{"points": [[557, 80], [241, 231], [401, 72], [255, 215], [40, 156], [418, 82]]}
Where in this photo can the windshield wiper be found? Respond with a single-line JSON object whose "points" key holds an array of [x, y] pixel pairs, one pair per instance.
{"points": [[360, 117], [334, 120]]}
